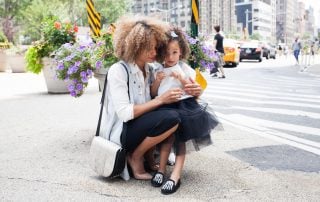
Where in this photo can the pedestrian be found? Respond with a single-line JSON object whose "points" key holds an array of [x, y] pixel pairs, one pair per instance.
{"points": [[138, 41], [196, 123], [296, 47], [280, 50], [218, 45]]}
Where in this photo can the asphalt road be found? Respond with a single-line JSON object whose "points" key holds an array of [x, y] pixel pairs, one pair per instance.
{"points": [[45, 140]]}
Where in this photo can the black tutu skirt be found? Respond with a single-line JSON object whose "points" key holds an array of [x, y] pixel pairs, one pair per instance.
{"points": [[197, 122]]}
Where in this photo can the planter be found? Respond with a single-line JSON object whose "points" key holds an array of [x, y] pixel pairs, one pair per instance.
{"points": [[101, 76], [3, 61], [54, 85], [17, 63]]}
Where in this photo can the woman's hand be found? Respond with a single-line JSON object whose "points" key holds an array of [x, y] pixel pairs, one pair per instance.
{"points": [[172, 95], [193, 88]]}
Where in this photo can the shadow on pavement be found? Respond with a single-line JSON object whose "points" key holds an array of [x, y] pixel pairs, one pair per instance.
{"points": [[279, 157]]}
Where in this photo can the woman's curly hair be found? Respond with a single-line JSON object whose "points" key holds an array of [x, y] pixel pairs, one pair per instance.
{"points": [[133, 35], [176, 34]]}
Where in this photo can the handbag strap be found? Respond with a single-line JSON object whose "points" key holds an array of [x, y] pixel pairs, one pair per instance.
{"points": [[104, 94]]}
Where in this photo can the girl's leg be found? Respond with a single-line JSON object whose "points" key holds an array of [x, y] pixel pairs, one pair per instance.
{"points": [[180, 158], [164, 153], [136, 158]]}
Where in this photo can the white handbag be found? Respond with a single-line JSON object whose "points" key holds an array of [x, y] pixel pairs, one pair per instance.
{"points": [[107, 158]]}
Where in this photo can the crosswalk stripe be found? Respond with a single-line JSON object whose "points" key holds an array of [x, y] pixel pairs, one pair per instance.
{"points": [[280, 111], [274, 124], [270, 136], [218, 91], [282, 103], [236, 88]]}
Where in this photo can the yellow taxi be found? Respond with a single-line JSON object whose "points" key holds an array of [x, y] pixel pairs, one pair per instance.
{"points": [[231, 52]]}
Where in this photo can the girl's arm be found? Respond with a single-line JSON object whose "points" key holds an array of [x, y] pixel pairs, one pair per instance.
{"points": [[155, 85]]}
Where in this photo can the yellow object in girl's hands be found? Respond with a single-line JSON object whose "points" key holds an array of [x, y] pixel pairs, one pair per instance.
{"points": [[200, 79]]}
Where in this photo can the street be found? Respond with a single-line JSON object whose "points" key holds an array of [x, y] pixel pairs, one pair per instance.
{"points": [[268, 151], [276, 102]]}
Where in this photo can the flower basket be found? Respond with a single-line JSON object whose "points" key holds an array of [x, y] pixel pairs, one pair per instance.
{"points": [[54, 85], [3, 61], [100, 75]]}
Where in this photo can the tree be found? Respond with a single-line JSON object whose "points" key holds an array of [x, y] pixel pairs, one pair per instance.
{"points": [[10, 14], [37, 11], [69, 10]]}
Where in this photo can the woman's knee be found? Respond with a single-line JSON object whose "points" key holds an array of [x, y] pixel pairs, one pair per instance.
{"points": [[171, 118]]}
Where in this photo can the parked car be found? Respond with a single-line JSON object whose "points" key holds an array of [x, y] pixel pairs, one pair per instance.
{"points": [[251, 51], [231, 52], [265, 50], [273, 51]]}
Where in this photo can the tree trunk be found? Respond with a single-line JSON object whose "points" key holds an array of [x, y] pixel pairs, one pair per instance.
{"points": [[8, 30]]}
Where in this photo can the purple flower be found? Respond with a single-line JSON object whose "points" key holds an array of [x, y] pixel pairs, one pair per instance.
{"points": [[89, 72], [71, 87], [77, 64], [60, 66], [98, 64], [83, 74], [79, 87], [73, 69], [73, 93], [84, 79], [82, 48], [67, 45]]}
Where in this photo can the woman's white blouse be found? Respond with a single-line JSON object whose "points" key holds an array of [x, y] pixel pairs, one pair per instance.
{"points": [[118, 108]]}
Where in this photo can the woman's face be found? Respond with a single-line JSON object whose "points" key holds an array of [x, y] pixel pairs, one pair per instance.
{"points": [[148, 56], [173, 54]]}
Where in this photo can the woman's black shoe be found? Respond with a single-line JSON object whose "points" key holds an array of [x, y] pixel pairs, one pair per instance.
{"points": [[157, 179], [170, 187]]}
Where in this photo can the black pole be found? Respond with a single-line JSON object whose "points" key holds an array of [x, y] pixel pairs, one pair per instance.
{"points": [[194, 25]]}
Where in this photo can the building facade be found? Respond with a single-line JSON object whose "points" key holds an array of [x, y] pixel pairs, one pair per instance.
{"points": [[217, 12], [286, 21], [257, 17], [178, 12]]}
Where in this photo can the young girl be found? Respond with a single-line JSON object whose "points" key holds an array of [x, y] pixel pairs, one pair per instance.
{"points": [[196, 123]]}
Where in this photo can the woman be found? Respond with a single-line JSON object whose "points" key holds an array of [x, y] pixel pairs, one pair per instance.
{"points": [[139, 41]]}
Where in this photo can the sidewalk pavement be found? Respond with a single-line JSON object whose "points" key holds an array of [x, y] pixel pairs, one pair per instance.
{"points": [[45, 140]]}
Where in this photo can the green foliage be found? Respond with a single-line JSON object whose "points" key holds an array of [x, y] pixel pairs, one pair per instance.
{"points": [[103, 51], [3, 38], [55, 34], [33, 58], [255, 36], [37, 11], [202, 55]]}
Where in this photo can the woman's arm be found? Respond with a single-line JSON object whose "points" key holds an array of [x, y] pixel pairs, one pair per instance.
{"points": [[172, 95], [117, 82]]}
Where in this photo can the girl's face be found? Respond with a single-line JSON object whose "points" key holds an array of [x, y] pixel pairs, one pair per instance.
{"points": [[173, 54], [149, 56]]}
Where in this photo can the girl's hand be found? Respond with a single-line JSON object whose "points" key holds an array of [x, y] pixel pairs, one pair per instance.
{"points": [[193, 88], [160, 75], [172, 95], [176, 75]]}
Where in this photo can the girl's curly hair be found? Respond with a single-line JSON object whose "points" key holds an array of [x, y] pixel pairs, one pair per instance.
{"points": [[133, 35], [176, 34]]}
